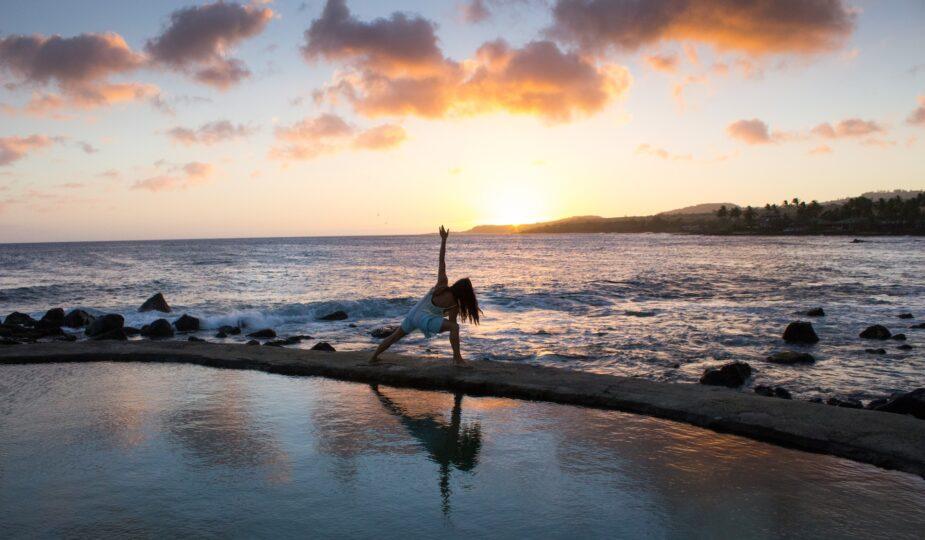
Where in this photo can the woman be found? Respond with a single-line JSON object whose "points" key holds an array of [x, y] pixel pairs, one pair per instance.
{"points": [[438, 310]]}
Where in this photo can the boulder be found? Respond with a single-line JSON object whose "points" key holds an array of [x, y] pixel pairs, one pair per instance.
{"points": [[816, 312], [77, 318], [905, 347], [229, 330], [105, 324], [19, 319], [338, 315], [876, 331], [54, 317], [323, 346], [253, 342], [66, 337], [130, 331], [773, 391], [874, 403], [906, 316], [920, 326], [266, 333], [791, 357], [875, 351], [800, 332], [732, 375], [116, 334], [909, 403], [221, 335], [159, 329], [283, 342], [155, 303], [195, 339], [383, 331], [899, 337], [186, 324], [858, 241], [849, 403]]}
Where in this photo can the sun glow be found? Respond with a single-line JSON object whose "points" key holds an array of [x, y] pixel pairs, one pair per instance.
{"points": [[516, 205]]}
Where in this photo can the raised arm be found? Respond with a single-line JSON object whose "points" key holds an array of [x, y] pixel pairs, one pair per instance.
{"points": [[442, 280]]}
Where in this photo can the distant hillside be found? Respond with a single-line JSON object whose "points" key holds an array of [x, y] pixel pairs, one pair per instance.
{"points": [[513, 229], [903, 194], [705, 208]]}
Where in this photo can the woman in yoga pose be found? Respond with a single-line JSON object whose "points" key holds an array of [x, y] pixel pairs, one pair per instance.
{"points": [[438, 310]]}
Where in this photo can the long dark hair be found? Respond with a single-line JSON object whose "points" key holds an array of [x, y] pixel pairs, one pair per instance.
{"points": [[465, 298]]}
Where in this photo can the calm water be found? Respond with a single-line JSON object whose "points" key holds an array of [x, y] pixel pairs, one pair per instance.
{"points": [[626, 304], [170, 450]]}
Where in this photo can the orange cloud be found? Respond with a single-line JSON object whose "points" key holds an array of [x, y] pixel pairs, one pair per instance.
{"points": [[661, 153], [13, 149], [664, 63], [752, 131], [917, 118], [820, 150], [181, 177], [210, 133], [328, 134], [852, 127], [754, 27]]}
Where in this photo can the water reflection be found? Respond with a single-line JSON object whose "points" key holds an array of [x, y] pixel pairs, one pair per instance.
{"points": [[453, 444]]}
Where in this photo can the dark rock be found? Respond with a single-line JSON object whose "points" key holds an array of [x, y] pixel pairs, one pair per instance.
{"points": [[800, 332], [116, 334], [816, 312], [155, 303], [66, 337], [675, 365], [335, 316], [899, 337], [230, 330], [732, 375], [919, 326], [906, 316], [105, 324], [875, 351], [196, 339], [159, 329], [323, 346], [849, 403], [19, 319], [8, 341], [288, 341], [130, 331], [858, 241], [874, 403], [266, 333], [253, 342], [383, 331], [791, 357], [773, 391], [77, 318], [909, 403], [905, 347], [875, 332], [815, 400], [352, 325], [221, 335], [53, 317], [186, 323]]}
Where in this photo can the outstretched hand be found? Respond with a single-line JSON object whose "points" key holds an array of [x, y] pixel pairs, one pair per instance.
{"points": [[444, 233]]}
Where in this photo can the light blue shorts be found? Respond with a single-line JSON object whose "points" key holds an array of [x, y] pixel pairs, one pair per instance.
{"points": [[425, 322]]}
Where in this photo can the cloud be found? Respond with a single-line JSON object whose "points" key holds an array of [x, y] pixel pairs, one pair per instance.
{"points": [[752, 131], [917, 118], [756, 27], [821, 150], [13, 149], [667, 63], [197, 40], [328, 134], [87, 147], [394, 67], [79, 67], [852, 127], [661, 153], [180, 177], [475, 11], [210, 133]]}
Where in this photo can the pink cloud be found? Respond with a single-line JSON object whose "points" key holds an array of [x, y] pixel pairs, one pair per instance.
{"points": [[752, 131], [667, 63], [852, 127], [210, 133], [328, 134], [13, 149], [821, 150], [917, 117], [181, 177]]}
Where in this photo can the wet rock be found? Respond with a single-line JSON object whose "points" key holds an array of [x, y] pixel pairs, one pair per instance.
{"points": [[292, 340], [773, 391], [906, 316], [352, 325], [253, 342], [875, 351], [909, 403], [105, 324], [849, 403], [792, 357], [115, 335], [230, 330], [383, 331], [186, 323], [919, 326], [338, 315], [8, 341], [675, 366], [66, 337], [732, 375], [159, 329], [905, 347], [876, 331], [858, 241], [221, 335], [815, 312], [155, 303], [800, 332], [266, 333], [899, 337], [323, 346], [54, 317], [19, 319], [195, 339], [874, 403], [77, 318], [131, 331], [815, 400]]}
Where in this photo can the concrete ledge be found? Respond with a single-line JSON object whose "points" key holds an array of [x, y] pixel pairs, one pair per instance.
{"points": [[887, 440]]}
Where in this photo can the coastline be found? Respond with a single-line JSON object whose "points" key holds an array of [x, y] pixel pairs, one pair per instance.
{"points": [[887, 440]]}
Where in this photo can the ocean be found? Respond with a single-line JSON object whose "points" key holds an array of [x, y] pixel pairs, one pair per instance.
{"points": [[663, 307]]}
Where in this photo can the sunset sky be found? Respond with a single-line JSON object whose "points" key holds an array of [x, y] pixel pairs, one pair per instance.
{"points": [[137, 120]]}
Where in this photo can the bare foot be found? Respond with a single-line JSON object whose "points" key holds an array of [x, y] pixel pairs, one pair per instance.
{"points": [[374, 359], [460, 362]]}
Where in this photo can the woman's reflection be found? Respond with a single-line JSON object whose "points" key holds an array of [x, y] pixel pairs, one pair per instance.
{"points": [[450, 445]]}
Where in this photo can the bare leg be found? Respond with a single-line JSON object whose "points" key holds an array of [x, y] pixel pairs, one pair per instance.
{"points": [[453, 328], [386, 343]]}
